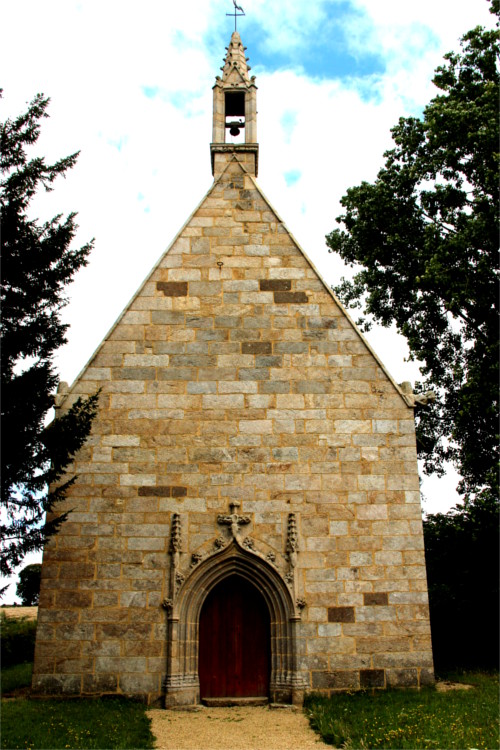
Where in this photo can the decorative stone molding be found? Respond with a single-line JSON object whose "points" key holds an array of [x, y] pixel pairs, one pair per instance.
{"points": [[176, 578], [235, 558], [175, 534], [292, 544], [196, 558], [292, 549]]}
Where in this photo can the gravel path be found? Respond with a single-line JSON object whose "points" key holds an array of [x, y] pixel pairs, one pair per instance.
{"points": [[238, 728]]}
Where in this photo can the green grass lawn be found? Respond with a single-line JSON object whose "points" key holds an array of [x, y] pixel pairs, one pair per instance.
{"points": [[411, 719], [101, 724], [70, 724]]}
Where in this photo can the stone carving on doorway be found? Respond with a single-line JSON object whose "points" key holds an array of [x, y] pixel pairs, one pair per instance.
{"points": [[271, 570], [196, 558], [292, 549], [234, 521], [176, 577], [285, 563]]}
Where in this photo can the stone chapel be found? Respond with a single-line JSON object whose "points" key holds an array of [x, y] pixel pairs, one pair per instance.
{"points": [[246, 520]]}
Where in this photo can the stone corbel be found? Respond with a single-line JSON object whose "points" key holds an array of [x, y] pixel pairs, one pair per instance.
{"points": [[417, 399]]}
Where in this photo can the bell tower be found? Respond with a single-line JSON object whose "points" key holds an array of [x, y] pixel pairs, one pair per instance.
{"points": [[234, 133]]}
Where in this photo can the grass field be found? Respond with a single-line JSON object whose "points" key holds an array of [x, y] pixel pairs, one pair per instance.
{"points": [[402, 719], [70, 724], [43, 725], [411, 719]]}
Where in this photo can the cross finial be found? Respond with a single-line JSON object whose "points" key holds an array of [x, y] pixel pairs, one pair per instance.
{"points": [[236, 13]]}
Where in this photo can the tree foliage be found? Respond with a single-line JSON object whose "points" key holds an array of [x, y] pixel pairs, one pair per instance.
{"points": [[28, 586], [424, 240], [37, 264]]}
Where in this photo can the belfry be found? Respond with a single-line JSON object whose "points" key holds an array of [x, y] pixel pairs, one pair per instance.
{"points": [[245, 524]]}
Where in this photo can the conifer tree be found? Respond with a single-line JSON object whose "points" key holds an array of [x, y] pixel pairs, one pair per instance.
{"points": [[37, 264]]}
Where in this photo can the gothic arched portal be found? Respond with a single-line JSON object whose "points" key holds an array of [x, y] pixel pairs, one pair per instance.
{"points": [[182, 683]]}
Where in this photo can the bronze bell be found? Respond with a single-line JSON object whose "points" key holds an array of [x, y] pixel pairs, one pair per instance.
{"points": [[235, 127]]}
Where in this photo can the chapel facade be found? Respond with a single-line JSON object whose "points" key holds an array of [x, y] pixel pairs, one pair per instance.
{"points": [[246, 521]]}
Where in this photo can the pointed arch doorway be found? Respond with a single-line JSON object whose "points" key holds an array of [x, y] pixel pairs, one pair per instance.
{"points": [[234, 641]]}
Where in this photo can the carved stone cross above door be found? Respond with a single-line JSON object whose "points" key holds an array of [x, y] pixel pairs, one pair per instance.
{"points": [[233, 520]]}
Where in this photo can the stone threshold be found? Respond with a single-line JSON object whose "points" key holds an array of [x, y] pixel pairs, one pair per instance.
{"points": [[229, 701]]}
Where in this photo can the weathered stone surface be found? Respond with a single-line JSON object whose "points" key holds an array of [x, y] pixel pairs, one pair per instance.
{"points": [[372, 678], [340, 614], [336, 680], [379, 598], [172, 288]]}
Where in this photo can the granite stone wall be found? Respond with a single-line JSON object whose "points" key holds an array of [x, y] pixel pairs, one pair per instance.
{"points": [[235, 377]]}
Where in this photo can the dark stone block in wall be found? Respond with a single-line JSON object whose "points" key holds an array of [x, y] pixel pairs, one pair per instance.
{"points": [[173, 288], [161, 491], [256, 347], [340, 614], [51, 684], [297, 298], [402, 677], [379, 597], [179, 491], [372, 678], [275, 285], [103, 683], [427, 677], [341, 679]]}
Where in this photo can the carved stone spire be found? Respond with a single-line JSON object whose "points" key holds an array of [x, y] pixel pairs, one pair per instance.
{"points": [[236, 60]]}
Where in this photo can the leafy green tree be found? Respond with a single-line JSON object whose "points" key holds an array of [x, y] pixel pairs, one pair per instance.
{"points": [[28, 586], [424, 241], [37, 264]]}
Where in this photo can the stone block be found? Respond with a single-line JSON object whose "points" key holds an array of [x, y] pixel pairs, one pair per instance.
{"points": [[379, 598], [294, 298], [137, 684], [173, 288], [340, 679], [56, 684], [73, 599], [340, 614], [372, 678], [256, 347], [99, 683], [401, 678], [275, 285]]}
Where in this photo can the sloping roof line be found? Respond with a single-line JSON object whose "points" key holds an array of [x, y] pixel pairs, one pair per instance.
{"points": [[406, 399]]}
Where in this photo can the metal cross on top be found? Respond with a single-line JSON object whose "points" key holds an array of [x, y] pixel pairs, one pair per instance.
{"points": [[236, 14]]}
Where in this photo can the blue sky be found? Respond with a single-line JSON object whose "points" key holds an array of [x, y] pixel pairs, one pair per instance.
{"points": [[131, 89]]}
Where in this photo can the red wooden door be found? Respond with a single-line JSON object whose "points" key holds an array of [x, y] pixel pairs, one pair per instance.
{"points": [[234, 654]]}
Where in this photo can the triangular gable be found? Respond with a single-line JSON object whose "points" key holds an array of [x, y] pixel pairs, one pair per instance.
{"points": [[233, 164]]}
